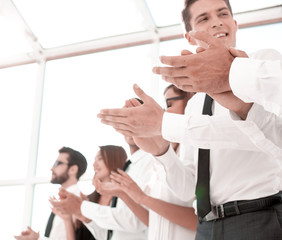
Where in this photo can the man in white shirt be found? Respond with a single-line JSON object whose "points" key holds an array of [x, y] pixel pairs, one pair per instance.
{"points": [[241, 167], [252, 80], [120, 219], [66, 171]]}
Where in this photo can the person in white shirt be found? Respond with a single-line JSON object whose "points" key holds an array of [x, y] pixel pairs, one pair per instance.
{"points": [[169, 217], [252, 80], [243, 171], [109, 158], [66, 171], [120, 219]]}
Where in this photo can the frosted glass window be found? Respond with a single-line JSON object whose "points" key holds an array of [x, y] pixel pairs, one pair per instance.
{"points": [[63, 22], [12, 209], [41, 206], [76, 89], [168, 12], [248, 5], [171, 48], [260, 37], [13, 38], [17, 93]]}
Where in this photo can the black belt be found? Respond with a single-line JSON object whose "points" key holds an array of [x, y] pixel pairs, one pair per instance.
{"points": [[240, 207]]}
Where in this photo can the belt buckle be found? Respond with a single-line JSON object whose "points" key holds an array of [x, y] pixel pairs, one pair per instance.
{"points": [[215, 213]]}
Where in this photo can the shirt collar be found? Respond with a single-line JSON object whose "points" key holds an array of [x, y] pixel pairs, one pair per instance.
{"points": [[139, 154]]}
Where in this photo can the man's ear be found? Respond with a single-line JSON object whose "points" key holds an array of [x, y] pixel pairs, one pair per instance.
{"points": [[190, 39], [236, 24], [73, 170]]}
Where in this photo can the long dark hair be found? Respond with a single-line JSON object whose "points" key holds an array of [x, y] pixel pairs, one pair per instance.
{"points": [[114, 158]]}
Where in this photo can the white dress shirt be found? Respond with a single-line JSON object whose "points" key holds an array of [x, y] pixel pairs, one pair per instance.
{"points": [[123, 222], [58, 230], [161, 228], [242, 164], [259, 80]]}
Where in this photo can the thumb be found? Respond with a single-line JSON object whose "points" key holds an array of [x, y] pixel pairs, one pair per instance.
{"points": [[237, 53], [205, 37], [140, 93]]}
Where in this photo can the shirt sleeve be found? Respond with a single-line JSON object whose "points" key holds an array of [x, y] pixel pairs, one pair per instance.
{"points": [[260, 132], [119, 218], [177, 175], [203, 131], [259, 80], [263, 128], [96, 231]]}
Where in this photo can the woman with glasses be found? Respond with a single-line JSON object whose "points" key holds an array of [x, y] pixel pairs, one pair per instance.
{"points": [[175, 102], [167, 216]]}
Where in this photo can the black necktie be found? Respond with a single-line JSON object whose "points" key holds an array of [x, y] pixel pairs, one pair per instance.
{"points": [[49, 225], [114, 200], [203, 182]]}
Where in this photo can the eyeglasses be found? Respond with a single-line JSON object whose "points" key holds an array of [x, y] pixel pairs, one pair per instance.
{"points": [[173, 98], [57, 163]]}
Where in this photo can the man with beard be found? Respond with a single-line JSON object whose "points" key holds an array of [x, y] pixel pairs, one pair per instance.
{"points": [[67, 170]]}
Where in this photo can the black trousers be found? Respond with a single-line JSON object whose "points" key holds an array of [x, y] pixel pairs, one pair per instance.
{"points": [[261, 225]]}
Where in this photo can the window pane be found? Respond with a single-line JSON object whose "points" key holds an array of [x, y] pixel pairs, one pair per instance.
{"points": [[41, 206], [260, 37], [75, 91], [12, 209], [247, 5], [17, 92], [13, 38], [63, 22], [171, 48], [166, 13]]}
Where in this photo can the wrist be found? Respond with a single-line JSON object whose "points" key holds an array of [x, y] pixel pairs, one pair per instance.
{"points": [[143, 199]]}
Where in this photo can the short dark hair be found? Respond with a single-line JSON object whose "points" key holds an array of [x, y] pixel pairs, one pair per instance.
{"points": [[75, 158], [186, 15]]}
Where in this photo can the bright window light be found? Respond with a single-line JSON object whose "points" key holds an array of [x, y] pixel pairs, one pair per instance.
{"points": [[76, 89], [17, 93], [64, 22]]}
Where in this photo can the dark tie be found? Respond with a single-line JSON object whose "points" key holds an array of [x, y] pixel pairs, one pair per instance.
{"points": [[114, 200], [203, 182], [49, 225]]}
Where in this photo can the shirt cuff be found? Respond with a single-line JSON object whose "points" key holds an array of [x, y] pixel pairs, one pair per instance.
{"points": [[86, 209], [173, 126], [243, 77], [166, 159]]}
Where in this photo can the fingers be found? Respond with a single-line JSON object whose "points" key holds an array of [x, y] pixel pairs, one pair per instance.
{"points": [[141, 94], [123, 173], [174, 61], [171, 71], [237, 53], [118, 112], [200, 49], [63, 193], [123, 128], [122, 180], [185, 52], [205, 38], [135, 102]]}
